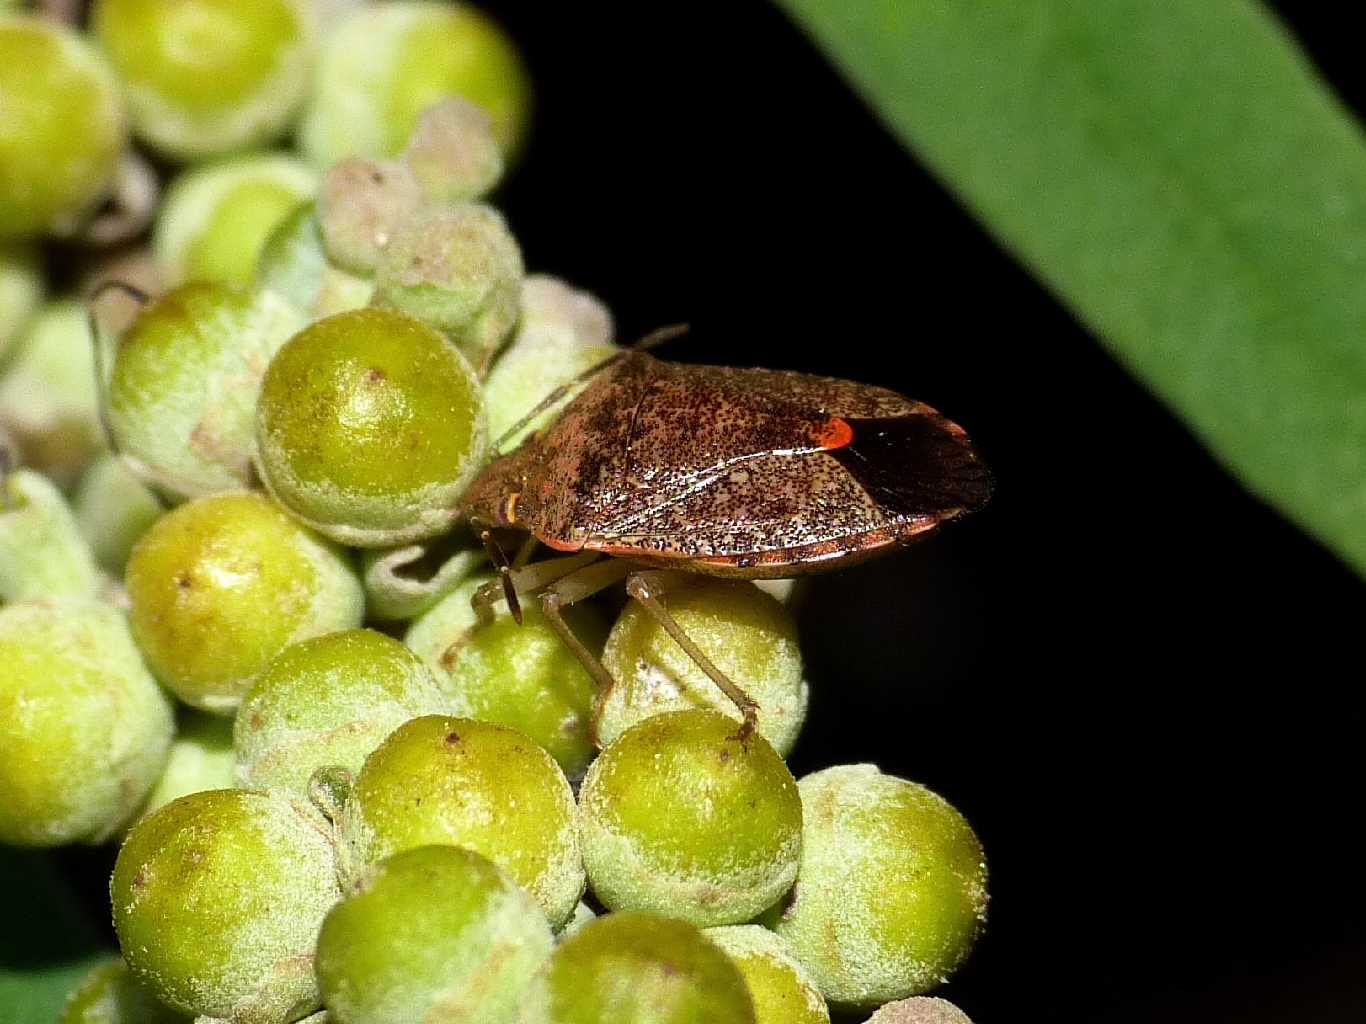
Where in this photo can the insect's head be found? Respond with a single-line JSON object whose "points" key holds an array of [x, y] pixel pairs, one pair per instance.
{"points": [[498, 497]]}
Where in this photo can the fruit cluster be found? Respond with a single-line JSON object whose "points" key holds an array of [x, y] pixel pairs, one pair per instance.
{"points": [[236, 620]]}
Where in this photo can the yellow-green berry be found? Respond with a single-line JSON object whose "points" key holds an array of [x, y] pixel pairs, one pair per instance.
{"points": [[562, 332], [21, 290], [892, 889], [48, 401], [453, 153], [435, 933], [84, 729], [459, 269], [294, 265], [185, 378], [216, 217], [919, 1010], [328, 701], [113, 509], [782, 989], [222, 584], [748, 635], [218, 898], [370, 426], [360, 207], [477, 785], [42, 552], [208, 77], [386, 63], [519, 676], [108, 994], [62, 127], [200, 758], [681, 816], [636, 968]]}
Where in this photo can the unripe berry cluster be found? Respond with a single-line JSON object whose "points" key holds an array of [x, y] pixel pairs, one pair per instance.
{"points": [[244, 632]]}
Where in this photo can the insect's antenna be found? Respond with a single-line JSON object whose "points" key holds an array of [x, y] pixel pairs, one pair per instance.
{"points": [[504, 572], [652, 340], [98, 343]]}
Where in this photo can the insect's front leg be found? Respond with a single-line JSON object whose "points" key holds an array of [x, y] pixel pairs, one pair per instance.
{"points": [[647, 588], [527, 579]]}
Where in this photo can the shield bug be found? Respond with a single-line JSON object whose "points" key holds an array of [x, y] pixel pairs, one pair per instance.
{"points": [[758, 474]]}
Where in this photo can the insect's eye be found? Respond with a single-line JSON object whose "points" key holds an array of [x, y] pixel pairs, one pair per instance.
{"points": [[507, 511]]}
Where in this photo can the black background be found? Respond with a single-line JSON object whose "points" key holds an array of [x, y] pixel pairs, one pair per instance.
{"points": [[1139, 684]]}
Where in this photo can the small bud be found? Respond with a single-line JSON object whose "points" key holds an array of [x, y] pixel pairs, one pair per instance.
{"points": [[21, 290], [458, 269], [782, 989], [453, 153], [113, 509], [108, 994], [201, 758], [360, 207], [919, 1010]]}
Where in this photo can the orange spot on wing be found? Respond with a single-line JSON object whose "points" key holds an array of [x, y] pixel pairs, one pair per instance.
{"points": [[834, 433]]}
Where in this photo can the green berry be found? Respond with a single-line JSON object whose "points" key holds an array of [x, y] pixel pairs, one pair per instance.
{"points": [[218, 898], [328, 701], [892, 890], [681, 816], [113, 509], [222, 584], [108, 994], [386, 63], [208, 77], [453, 153], [919, 1010], [562, 333], [456, 268], [42, 552], [361, 205], [476, 785], [62, 128], [519, 676], [21, 290], [782, 990], [748, 635], [48, 400], [294, 265], [635, 968], [370, 426], [84, 728], [201, 758], [216, 217], [184, 382], [433, 934]]}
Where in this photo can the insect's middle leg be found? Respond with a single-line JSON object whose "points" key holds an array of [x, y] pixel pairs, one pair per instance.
{"points": [[646, 588]]}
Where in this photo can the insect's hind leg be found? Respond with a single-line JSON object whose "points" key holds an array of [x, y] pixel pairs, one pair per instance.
{"points": [[647, 588]]}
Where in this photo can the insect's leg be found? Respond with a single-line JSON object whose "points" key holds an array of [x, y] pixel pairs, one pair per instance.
{"points": [[524, 553], [525, 580], [576, 587], [647, 587]]}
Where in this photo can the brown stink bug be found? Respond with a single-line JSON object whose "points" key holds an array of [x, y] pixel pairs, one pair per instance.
{"points": [[756, 474]]}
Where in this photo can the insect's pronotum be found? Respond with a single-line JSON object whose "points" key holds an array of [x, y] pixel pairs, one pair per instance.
{"points": [[752, 474]]}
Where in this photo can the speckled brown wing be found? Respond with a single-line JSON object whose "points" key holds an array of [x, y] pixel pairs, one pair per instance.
{"points": [[747, 472]]}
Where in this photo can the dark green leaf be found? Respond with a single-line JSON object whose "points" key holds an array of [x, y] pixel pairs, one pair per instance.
{"points": [[1175, 173]]}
